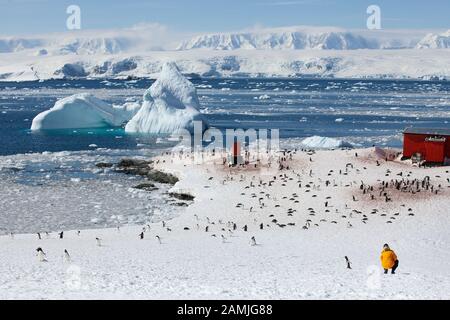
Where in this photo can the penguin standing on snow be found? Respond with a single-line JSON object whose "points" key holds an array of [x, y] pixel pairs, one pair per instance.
{"points": [[253, 241], [141, 235], [99, 242], [348, 263], [39, 236], [67, 256], [159, 239], [41, 255], [61, 235]]}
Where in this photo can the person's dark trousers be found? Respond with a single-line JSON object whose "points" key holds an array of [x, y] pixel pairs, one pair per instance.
{"points": [[395, 266]]}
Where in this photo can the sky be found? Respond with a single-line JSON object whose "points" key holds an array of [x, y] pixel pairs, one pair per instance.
{"points": [[21, 17]]}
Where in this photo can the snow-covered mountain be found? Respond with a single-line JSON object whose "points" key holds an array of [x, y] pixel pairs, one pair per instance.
{"points": [[282, 40], [435, 41], [323, 38], [291, 51]]}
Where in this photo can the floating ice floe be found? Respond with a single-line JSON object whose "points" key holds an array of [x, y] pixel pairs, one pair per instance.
{"points": [[83, 110], [318, 142], [170, 104]]}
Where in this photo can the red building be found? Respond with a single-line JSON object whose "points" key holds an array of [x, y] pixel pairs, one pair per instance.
{"points": [[431, 145]]}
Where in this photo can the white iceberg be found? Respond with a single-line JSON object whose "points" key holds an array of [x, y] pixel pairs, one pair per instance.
{"points": [[83, 110], [170, 104], [318, 142]]}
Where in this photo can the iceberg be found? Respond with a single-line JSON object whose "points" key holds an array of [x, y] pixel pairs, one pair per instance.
{"points": [[318, 142], [83, 110], [170, 104]]}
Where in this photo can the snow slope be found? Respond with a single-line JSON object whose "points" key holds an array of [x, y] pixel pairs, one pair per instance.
{"points": [[82, 110], [170, 104], [287, 263]]}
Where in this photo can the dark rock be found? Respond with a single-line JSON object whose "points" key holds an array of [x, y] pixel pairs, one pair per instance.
{"points": [[180, 204], [162, 177], [143, 168], [182, 196], [146, 186], [103, 165]]}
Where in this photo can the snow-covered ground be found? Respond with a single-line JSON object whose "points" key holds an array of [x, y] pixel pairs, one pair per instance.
{"points": [[289, 261]]}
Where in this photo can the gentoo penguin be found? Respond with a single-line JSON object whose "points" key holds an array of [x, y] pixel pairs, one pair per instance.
{"points": [[99, 241], [67, 256], [141, 235], [61, 234], [261, 226], [245, 228], [206, 228], [223, 238], [39, 236], [348, 263], [159, 239], [78, 233], [41, 255], [253, 241]]}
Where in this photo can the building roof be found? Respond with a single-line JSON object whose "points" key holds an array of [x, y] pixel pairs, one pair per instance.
{"points": [[433, 131]]}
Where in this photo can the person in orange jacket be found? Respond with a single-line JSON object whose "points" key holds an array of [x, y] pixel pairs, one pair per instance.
{"points": [[388, 259]]}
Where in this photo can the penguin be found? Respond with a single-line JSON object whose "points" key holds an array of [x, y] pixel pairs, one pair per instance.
{"points": [[141, 235], [224, 240], [348, 263], [39, 236], [261, 226], [253, 241], [78, 233], [99, 241], [67, 256], [41, 255], [61, 235], [206, 228], [159, 239], [245, 228]]}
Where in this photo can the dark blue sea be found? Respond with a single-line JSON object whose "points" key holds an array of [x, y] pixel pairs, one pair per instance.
{"points": [[363, 112]]}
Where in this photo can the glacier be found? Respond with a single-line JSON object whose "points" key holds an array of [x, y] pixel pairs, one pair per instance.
{"points": [[83, 110], [170, 104]]}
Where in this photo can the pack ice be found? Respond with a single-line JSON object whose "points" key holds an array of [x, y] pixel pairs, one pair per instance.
{"points": [[82, 110], [170, 104]]}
